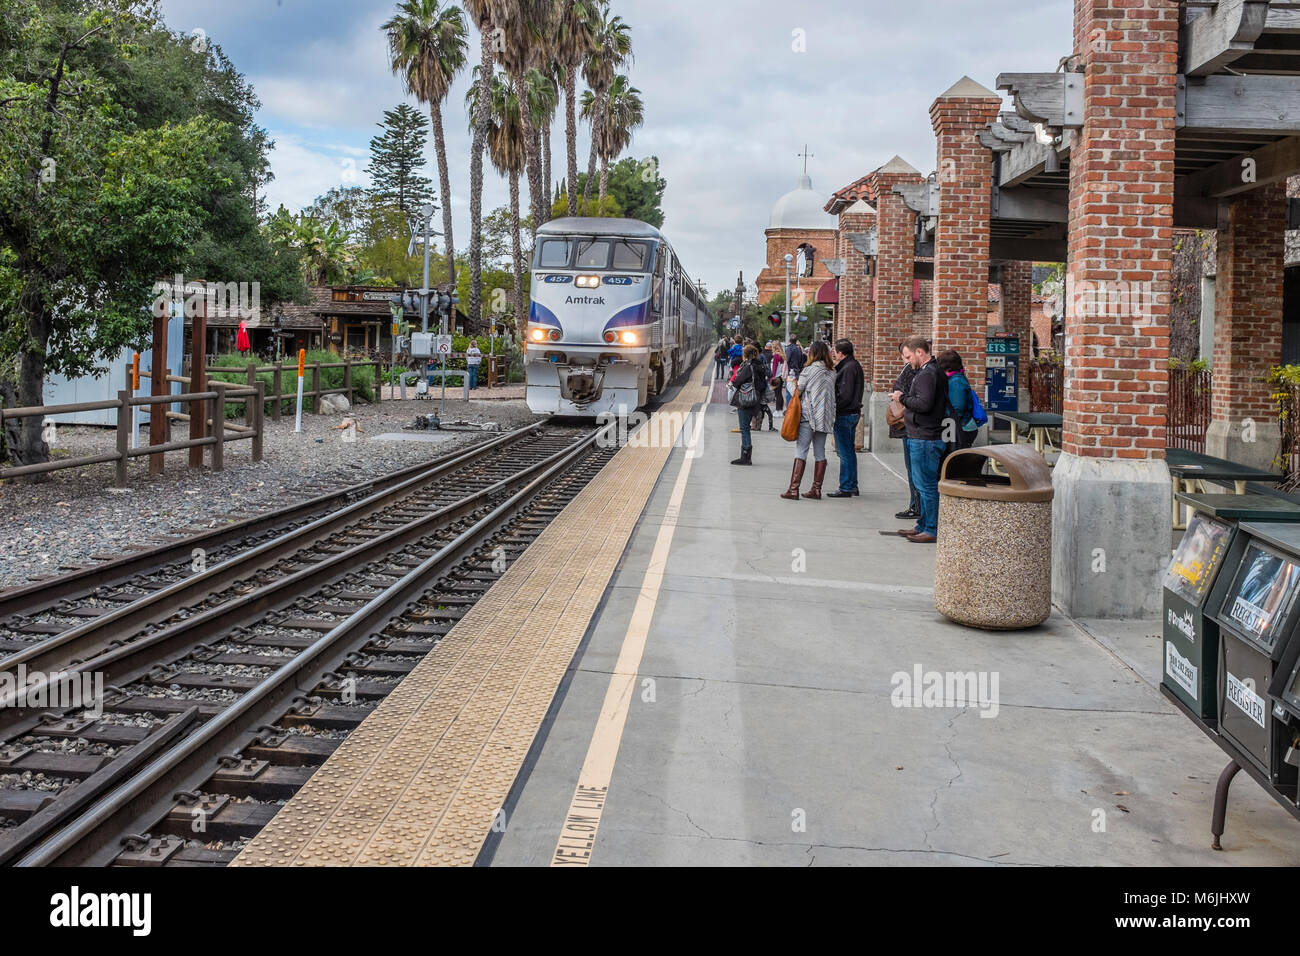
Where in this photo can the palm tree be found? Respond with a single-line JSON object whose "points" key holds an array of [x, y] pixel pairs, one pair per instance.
{"points": [[528, 36], [428, 47], [612, 49], [507, 150], [575, 40], [543, 100], [490, 16], [612, 130], [326, 255]]}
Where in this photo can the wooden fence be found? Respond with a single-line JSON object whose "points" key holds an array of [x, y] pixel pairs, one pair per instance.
{"points": [[276, 396], [1046, 386], [213, 402]]}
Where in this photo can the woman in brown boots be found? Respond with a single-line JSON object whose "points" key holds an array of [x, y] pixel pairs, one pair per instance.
{"points": [[817, 418]]}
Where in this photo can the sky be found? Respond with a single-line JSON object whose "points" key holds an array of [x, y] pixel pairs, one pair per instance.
{"points": [[733, 89]]}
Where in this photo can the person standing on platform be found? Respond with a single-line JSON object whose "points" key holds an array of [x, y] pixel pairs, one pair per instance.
{"points": [[735, 353], [961, 403], [794, 359], [849, 386], [901, 384], [473, 359], [816, 387], [720, 357], [751, 370], [925, 402], [778, 380]]}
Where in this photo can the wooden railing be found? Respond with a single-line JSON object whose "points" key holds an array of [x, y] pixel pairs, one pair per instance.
{"points": [[213, 401], [277, 395]]}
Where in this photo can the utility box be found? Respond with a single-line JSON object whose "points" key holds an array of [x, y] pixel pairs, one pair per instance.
{"points": [[1191, 637], [1254, 601], [1002, 373], [422, 344]]}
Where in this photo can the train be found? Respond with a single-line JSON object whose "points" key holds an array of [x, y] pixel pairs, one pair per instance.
{"points": [[615, 317]]}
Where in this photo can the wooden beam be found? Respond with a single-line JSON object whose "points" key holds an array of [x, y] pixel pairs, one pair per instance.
{"points": [[1219, 36], [1033, 205], [1053, 99], [1029, 250], [1268, 164], [1239, 104], [1026, 160]]}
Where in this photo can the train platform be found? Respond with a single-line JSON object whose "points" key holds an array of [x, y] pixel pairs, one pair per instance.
{"points": [[685, 669]]}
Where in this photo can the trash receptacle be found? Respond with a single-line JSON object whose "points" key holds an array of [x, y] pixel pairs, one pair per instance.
{"points": [[993, 566]]}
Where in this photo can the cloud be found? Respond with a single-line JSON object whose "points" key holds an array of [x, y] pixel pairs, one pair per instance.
{"points": [[730, 101]]}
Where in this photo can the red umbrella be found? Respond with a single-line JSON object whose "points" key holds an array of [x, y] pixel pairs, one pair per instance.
{"points": [[241, 338]]}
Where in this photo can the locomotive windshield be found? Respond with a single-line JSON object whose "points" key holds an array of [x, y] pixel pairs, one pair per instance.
{"points": [[620, 255]]}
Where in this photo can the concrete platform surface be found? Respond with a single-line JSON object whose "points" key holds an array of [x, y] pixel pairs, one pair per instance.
{"points": [[749, 669]]}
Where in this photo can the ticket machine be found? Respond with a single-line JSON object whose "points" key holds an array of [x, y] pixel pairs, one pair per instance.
{"points": [[1002, 373]]}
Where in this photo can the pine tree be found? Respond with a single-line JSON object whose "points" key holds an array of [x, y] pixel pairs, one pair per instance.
{"points": [[396, 158]]}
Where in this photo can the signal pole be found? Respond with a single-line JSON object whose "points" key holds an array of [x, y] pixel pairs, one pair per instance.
{"points": [[788, 260]]}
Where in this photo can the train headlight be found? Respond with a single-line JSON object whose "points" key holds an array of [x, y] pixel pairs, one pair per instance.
{"points": [[539, 335], [629, 338], [611, 336], [587, 282]]}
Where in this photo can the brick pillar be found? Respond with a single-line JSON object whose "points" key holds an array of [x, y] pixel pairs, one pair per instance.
{"points": [[1248, 326], [893, 316], [855, 316], [1111, 515], [1017, 301], [961, 242]]}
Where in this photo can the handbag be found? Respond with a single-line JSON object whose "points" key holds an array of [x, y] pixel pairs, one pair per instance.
{"points": [[790, 423], [747, 395], [896, 414]]}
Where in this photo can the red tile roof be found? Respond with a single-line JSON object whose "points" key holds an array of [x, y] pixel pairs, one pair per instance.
{"points": [[842, 198]]}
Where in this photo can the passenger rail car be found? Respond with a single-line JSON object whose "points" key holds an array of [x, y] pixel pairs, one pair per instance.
{"points": [[614, 318]]}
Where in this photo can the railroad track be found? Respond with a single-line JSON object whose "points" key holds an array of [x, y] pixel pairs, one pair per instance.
{"points": [[225, 691]]}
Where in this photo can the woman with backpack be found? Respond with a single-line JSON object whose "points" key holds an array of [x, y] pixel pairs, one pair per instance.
{"points": [[816, 389], [961, 401], [749, 383]]}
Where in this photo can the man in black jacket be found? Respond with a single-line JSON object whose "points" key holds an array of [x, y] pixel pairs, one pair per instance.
{"points": [[902, 384], [794, 359], [849, 385], [925, 403]]}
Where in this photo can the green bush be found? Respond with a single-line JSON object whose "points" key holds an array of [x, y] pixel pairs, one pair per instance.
{"points": [[363, 379]]}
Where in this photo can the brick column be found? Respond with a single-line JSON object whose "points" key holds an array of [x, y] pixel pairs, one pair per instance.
{"points": [[855, 316], [1017, 301], [1111, 516], [1248, 326], [893, 316], [961, 242]]}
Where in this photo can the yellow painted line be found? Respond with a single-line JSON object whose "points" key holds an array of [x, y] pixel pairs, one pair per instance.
{"points": [[582, 822]]}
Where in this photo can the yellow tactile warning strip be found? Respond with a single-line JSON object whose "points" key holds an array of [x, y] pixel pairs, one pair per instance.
{"points": [[421, 780]]}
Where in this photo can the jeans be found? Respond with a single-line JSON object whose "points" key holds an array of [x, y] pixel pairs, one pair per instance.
{"points": [[810, 439], [473, 376], [745, 415], [926, 455], [846, 427], [913, 502]]}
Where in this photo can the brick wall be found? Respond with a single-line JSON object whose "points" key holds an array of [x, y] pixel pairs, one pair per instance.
{"points": [[1248, 303], [1017, 292], [1121, 226], [961, 248], [855, 316], [894, 318]]}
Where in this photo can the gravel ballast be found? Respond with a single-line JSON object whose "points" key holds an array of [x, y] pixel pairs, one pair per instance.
{"points": [[77, 513]]}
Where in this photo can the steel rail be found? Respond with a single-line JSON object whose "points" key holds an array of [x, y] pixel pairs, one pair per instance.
{"points": [[181, 767]]}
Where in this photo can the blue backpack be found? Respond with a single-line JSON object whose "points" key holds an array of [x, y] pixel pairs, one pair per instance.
{"points": [[977, 413]]}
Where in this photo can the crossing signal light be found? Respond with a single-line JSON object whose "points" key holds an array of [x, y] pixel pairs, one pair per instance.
{"points": [[775, 318]]}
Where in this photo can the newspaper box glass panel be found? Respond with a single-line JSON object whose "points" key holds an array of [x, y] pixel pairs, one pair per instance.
{"points": [[1190, 638]]}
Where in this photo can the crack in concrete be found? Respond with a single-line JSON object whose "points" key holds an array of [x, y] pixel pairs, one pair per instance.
{"points": [[934, 801]]}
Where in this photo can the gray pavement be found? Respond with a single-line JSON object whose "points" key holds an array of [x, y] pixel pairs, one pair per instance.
{"points": [[768, 732]]}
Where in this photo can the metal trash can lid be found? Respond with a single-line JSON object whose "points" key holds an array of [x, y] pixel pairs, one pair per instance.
{"points": [[1028, 477]]}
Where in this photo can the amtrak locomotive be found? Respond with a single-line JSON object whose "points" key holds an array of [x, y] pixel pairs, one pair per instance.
{"points": [[614, 317]]}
